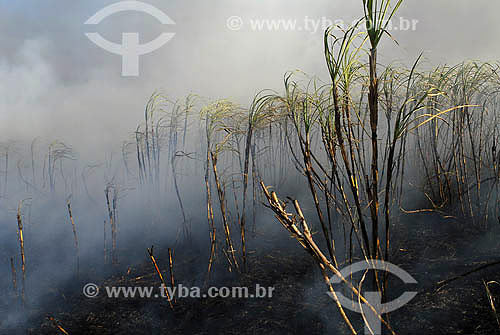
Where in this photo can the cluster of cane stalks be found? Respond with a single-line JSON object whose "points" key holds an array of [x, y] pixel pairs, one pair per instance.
{"points": [[164, 131], [352, 140], [458, 151], [222, 119], [58, 152], [45, 172], [355, 141]]}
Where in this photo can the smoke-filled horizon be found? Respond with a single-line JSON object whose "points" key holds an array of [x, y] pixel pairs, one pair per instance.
{"points": [[57, 84]]}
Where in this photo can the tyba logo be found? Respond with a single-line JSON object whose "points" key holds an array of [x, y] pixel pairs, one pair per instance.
{"points": [[373, 325], [130, 49]]}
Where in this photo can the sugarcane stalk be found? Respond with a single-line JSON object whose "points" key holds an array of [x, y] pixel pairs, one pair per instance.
{"points": [[111, 204], [75, 237], [58, 326], [221, 193], [210, 217], [21, 247], [171, 268], [155, 264]]}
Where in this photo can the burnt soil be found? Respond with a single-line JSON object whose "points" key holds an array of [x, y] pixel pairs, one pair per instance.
{"points": [[428, 250]]}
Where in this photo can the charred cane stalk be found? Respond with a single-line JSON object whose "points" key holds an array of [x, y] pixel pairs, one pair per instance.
{"points": [[231, 257], [58, 326], [171, 268], [153, 260], [210, 218], [76, 238], [111, 203], [21, 246]]}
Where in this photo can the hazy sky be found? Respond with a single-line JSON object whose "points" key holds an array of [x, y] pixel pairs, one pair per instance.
{"points": [[57, 84]]}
